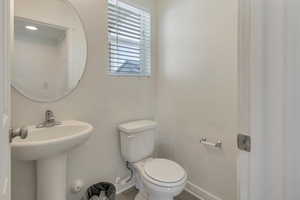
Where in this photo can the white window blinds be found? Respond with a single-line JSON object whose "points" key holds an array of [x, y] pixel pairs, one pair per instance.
{"points": [[129, 39]]}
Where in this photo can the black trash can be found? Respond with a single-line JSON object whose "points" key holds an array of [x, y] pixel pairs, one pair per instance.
{"points": [[103, 187]]}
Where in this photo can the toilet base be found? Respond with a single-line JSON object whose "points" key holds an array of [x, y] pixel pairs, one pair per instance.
{"points": [[143, 195], [155, 197]]}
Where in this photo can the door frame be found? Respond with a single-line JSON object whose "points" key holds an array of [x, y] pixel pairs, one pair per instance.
{"points": [[244, 41], [251, 93], [6, 48]]}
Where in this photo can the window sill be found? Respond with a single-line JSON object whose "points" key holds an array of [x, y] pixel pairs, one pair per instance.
{"points": [[130, 75]]}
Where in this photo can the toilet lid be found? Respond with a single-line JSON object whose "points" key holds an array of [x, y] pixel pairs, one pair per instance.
{"points": [[164, 170]]}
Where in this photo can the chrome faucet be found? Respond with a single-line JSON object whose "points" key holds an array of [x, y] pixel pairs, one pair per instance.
{"points": [[49, 120]]}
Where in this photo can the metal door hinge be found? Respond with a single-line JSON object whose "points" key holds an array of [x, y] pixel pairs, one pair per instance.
{"points": [[244, 142]]}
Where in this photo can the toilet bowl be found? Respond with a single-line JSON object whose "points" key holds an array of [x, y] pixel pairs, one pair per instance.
{"points": [[159, 179], [156, 179]]}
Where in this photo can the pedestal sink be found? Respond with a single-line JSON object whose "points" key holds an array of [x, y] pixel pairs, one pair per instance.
{"points": [[49, 147]]}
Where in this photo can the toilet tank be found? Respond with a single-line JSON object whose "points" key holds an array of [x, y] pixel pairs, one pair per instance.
{"points": [[137, 139]]}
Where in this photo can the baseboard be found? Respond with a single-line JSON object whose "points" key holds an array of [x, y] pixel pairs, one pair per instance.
{"points": [[190, 188], [199, 192]]}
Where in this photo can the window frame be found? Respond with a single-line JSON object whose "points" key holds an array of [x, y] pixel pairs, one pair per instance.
{"points": [[146, 65]]}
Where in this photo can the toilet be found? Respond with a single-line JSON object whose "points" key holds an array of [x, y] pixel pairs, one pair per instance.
{"points": [[156, 179]]}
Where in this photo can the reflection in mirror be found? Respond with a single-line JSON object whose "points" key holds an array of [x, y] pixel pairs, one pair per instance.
{"points": [[50, 49]]}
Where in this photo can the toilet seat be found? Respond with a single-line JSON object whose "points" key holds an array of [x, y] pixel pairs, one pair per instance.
{"points": [[164, 173], [164, 170]]}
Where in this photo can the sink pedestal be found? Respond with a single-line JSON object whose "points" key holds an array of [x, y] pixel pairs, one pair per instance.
{"points": [[51, 178]]}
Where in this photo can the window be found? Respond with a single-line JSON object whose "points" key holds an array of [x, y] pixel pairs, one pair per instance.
{"points": [[129, 39]]}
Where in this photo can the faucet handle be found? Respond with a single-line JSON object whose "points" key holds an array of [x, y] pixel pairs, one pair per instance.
{"points": [[19, 132]]}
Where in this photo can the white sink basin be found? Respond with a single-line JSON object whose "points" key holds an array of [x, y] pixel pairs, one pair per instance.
{"points": [[46, 142], [49, 147]]}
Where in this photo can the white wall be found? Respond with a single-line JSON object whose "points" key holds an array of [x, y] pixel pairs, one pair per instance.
{"points": [[101, 100], [197, 89]]}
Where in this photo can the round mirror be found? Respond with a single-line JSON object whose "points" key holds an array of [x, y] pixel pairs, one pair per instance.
{"points": [[50, 49]]}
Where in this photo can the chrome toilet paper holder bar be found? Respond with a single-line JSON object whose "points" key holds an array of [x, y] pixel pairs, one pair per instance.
{"points": [[216, 145]]}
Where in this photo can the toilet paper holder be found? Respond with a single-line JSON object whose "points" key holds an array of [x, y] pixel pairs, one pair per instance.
{"points": [[218, 144]]}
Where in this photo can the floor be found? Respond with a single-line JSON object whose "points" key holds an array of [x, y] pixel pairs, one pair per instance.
{"points": [[130, 194]]}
